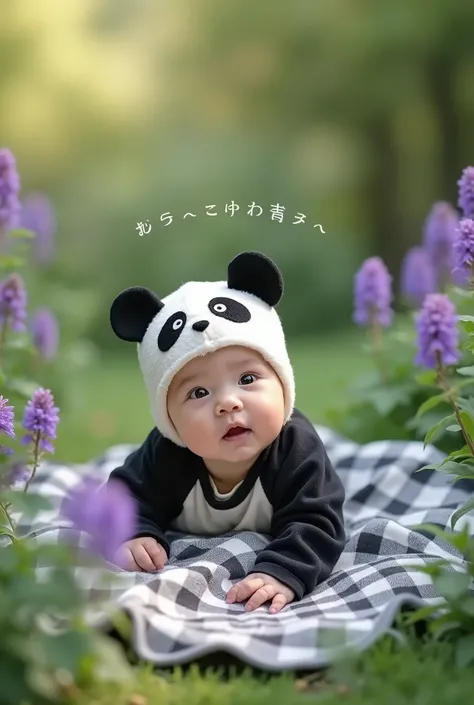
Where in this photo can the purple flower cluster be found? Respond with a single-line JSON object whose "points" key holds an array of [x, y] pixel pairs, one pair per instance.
{"points": [[373, 293], [38, 216], [466, 192], [438, 335], [464, 246], [13, 299], [40, 419], [7, 420], [439, 233], [9, 191], [106, 513], [418, 276], [45, 333]]}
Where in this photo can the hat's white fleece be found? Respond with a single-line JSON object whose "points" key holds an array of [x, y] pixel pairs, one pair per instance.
{"points": [[263, 332]]}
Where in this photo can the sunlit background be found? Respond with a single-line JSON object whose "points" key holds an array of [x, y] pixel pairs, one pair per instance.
{"points": [[126, 116]]}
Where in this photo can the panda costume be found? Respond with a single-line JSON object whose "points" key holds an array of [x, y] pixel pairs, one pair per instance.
{"points": [[292, 492]]}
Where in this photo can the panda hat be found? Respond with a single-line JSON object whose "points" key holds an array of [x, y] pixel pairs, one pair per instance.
{"points": [[201, 317]]}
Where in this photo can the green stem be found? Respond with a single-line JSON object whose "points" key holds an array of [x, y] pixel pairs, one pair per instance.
{"points": [[3, 337], [376, 336], [10, 521], [450, 393], [35, 461]]}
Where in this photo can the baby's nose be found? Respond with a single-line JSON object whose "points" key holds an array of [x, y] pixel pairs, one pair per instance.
{"points": [[200, 325]]}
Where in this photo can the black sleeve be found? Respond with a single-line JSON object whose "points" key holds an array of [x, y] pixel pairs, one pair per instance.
{"points": [[307, 526], [145, 472]]}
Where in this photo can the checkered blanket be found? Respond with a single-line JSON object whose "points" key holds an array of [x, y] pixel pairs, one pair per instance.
{"points": [[180, 613]]}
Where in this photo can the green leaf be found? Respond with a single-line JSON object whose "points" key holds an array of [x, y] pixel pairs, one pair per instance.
{"points": [[385, 399], [467, 507], [5, 531], [465, 318], [466, 404], [468, 422], [461, 470], [466, 605], [463, 452], [11, 262], [452, 584], [28, 503], [21, 233], [66, 650], [20, 343], [437, 427], [428, 378], [430, 403], [467, 371], [23, 387], [454, 428], [459, 540], [465, 651]]}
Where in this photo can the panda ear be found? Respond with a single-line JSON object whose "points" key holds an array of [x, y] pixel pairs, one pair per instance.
{"points": [[132, 312], [255, 273]]}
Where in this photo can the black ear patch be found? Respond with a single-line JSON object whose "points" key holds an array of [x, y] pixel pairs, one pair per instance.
{"points": [[132, 312], [230, 309], [172, 329], [256, 274]]}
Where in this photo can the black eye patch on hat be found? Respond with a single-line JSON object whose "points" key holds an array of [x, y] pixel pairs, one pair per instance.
{"points": [[230, 309], [172, 329]]}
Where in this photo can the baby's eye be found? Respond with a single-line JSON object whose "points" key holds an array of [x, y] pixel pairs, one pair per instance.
{"points": [[248, 377], [197, 393]]}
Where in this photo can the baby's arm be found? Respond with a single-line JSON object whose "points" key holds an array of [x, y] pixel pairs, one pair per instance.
{"points": [[307, 525], [142, 472]]}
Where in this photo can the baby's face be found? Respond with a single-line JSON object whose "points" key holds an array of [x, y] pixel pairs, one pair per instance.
{"points": [[232, 385]]}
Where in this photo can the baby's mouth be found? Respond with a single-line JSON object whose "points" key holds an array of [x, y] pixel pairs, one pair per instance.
{"points": [[236, 431]]}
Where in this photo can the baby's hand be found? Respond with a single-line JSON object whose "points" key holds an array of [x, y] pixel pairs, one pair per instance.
{"points": [[142, 554], [260, 588]]}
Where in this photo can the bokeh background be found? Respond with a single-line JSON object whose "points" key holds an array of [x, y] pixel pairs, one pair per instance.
{"points": [[357, 114]]}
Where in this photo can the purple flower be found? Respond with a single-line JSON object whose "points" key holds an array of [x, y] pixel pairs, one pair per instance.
{"points": [[38, 216], [439, 233], [13, 299], [373, 293], [41, 418], [6, 423], [463, 246], [45, 332], [437, 330], [466, 192], [105, 512], [9, 190], [418, 276]]}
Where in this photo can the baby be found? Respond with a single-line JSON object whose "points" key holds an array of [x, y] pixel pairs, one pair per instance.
{"points": [[228, 452]]}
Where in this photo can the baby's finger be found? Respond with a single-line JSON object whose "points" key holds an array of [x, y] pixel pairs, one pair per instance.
{"points": [[278, 602], [262, 595], [244, 589], [156, 552], [141, 556], [126, 560]]}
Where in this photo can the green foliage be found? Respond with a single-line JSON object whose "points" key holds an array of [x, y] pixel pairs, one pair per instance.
{"points": [[47, 646]]}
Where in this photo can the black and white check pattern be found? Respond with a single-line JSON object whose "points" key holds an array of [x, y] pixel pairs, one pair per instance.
{"points": [[180, 613]]}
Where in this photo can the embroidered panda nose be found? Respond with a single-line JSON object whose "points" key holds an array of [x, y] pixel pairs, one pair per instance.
{"points": [[200, 325]]}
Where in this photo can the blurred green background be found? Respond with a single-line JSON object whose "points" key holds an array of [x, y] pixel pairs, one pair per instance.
{"points": [[356, 114]]}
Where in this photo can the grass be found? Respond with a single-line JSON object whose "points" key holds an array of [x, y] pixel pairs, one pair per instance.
{"points": [[109, 406], [389, 673]]}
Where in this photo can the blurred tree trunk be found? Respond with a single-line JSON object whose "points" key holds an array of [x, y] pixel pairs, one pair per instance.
{"points": [[387, 225], [441, 75]]}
